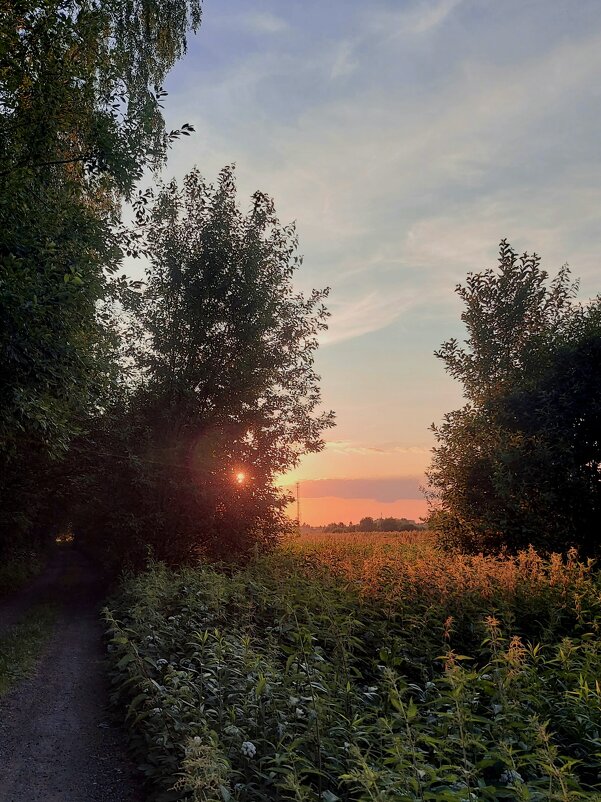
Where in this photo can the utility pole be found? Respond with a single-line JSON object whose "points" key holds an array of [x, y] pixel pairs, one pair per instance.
{"points": [[298, 506]]}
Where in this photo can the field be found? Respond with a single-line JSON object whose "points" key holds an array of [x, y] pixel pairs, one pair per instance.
{"points": [[358, 667]]}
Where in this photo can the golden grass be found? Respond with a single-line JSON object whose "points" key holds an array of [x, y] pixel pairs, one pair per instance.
{"points": [[406, 565]]}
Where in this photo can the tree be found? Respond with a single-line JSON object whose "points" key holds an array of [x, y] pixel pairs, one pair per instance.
{"points": [[519, 463], [226, 387], [80, 119], [80, 86]]}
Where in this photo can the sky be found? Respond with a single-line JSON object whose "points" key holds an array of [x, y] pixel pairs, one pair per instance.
{"points": [[406, 139]]}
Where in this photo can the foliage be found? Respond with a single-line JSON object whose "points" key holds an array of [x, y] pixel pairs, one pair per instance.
{"points": [[226, 383], [519, 463], [80, 85], [280, 683], [80, 119]]}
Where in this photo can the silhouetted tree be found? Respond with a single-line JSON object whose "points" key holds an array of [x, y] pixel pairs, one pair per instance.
{"points": [[226, 383], [519, 463]]}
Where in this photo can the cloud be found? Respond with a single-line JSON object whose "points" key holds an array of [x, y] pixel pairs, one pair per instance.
{"points": [[388, 489], [401, 183], [262, 22], [350, 447], [344, 62], [431, 15], [358, 316], [419, 19]]}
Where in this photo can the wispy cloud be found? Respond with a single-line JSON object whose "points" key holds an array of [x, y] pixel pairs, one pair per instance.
{"points": [[264, 22], [414, 18], [358, 316], [344, 61], [351, 447], [391, 488], [406, 139], [401, 184]]}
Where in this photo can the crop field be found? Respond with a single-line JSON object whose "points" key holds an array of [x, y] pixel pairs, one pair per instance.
{"points": [[363, 668]]}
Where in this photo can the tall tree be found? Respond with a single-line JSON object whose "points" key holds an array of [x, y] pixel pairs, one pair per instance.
{"points": [[227, 395], [80, 119], [519, 463]]}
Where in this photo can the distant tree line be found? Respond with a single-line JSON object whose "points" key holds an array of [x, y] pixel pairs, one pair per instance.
{"points": [[369, 524]]}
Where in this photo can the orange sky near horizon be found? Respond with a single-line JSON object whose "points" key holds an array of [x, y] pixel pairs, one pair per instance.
{"points": [[331, 509], [351, 480]]}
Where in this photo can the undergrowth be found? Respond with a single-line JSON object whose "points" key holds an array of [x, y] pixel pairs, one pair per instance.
{"points": [[292, 679]]}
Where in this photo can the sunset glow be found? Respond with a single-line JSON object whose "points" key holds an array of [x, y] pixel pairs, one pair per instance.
{"points": [[404, 140]]}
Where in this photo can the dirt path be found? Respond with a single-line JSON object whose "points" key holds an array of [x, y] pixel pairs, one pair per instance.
{"points": [[57, 740]]}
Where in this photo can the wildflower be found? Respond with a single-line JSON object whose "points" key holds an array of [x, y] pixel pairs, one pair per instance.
{"points": [[492, 623], [300, 713], [248, 749], [511, 777], [448, 628], [516, 652], [231, 729], [156, 711], [197, 740]]}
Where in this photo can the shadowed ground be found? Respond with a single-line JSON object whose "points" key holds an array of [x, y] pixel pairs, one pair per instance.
{"points": [[57, 740]]}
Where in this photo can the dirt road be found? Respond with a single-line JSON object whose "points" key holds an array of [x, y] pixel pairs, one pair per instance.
{"points": [[58, 742]]}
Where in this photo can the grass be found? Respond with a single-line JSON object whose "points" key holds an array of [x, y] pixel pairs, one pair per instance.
{"points": [[364, 670], [22, 644]]}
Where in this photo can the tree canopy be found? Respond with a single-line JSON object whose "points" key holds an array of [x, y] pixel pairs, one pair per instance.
{"points": [[80, 119], [520, 462], [224, 382]]}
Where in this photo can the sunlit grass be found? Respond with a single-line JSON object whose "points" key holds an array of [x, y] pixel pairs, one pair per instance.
{"points": [[407, 565]]}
